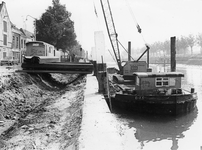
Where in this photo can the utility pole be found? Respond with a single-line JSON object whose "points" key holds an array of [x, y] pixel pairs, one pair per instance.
{"points": [[34, 25]]}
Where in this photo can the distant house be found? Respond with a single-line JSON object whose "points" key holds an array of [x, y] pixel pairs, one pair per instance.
{"points": [[29, 35], [26, 36], [5, 32], [19, 40], [23, 40], [16, 42]]}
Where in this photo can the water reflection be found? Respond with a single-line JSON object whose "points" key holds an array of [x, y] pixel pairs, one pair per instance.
{"points": [[150, 128], [160, 68], [192, 78], [193, 75]]}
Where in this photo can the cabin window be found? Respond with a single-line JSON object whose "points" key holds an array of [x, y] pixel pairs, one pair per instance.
{"points": [[35, 44], [50, 48], [162, 81], [137, 81], [45, 50]]}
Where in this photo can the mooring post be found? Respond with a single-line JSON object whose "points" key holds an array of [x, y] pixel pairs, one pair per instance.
{"points": [[101, 71], [148, 58], [95, 68], [173, 53], [129, 51]]}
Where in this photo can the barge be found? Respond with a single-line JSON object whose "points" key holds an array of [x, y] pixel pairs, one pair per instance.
{"points": [[155, 93]]}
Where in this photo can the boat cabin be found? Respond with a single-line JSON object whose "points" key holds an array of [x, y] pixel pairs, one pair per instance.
{"points": [[147, 82]]}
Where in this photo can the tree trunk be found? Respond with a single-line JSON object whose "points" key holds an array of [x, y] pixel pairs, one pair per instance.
{"points": [[191, 50]]}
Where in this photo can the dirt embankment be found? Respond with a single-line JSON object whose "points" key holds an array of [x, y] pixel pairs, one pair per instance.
{"points": [[40, 111]]}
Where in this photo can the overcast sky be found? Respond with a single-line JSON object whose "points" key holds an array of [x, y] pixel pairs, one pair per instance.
{"points": [[159, 19]]}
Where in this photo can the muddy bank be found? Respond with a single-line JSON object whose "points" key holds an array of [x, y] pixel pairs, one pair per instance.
{"points": [[40, 111]]}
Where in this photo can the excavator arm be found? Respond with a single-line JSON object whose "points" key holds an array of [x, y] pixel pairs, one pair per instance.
{"points": [[113, 36]]}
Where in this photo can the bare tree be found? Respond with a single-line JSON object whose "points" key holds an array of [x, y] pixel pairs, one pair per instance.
{"points": [[166, 47], [191, 42], [181, 45], [199, 41], [156, 47]]}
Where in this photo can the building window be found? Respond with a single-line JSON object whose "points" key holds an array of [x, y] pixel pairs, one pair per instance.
{"points": [[24, 44], [13, 43], [5, 26], [21, 45], [4, 54], [5, 39], [17, 42], [162, 81]]}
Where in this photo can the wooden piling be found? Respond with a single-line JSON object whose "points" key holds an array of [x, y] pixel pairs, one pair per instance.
{"points": [[173, 53], [129, 51]]}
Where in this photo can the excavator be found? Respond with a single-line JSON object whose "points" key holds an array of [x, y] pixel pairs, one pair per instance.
{"points": [[129, 67]]}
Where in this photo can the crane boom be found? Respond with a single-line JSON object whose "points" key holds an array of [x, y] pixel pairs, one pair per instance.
{"points": [[113, 36]]}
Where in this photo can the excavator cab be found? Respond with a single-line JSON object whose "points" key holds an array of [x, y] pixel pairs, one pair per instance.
{"points": [[134, 66]]}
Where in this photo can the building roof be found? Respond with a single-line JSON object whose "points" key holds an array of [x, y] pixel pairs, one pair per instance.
{"points": [[159, 74], [1, 5], [15, 29], [27, 33]]}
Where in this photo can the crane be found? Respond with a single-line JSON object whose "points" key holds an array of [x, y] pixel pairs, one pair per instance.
{"points": [[113, 36], [130, 66]]}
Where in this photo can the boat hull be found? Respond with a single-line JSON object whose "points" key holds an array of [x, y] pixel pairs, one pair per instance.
{"points": [[171, 105]]}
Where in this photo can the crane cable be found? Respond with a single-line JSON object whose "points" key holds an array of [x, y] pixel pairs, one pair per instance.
{"points": [[125, 49], [112, 56], [138, 27], [135, 20]]}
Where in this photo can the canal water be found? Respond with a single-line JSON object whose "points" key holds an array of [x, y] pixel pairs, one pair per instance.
{"points": [[150, 132]]}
